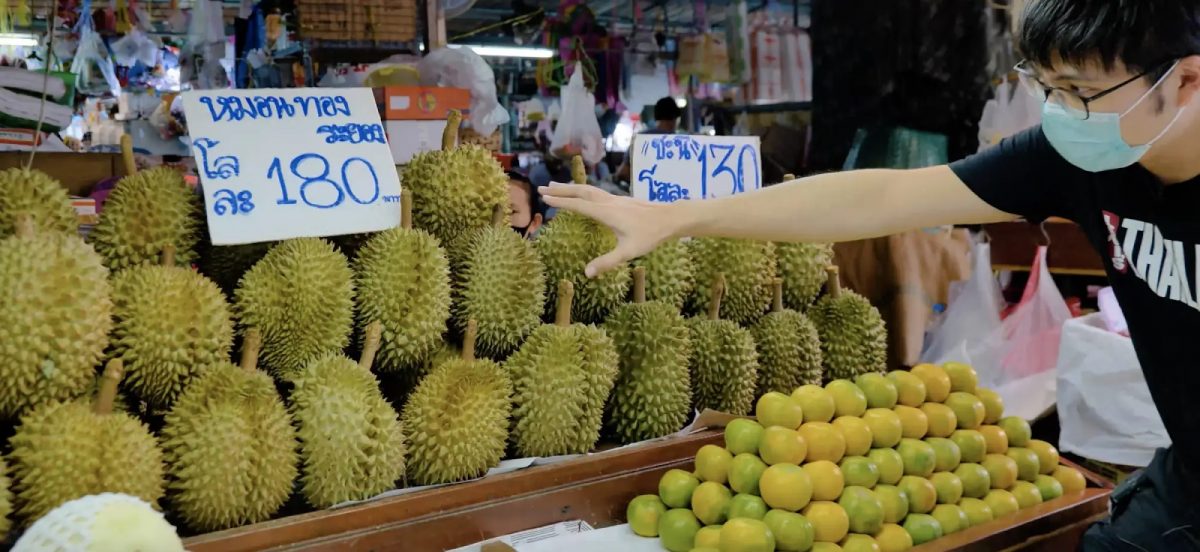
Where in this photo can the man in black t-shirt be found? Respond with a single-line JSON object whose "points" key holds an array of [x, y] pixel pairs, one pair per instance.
{"points": [[1118, 152]]}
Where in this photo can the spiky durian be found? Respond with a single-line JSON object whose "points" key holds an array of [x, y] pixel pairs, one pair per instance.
{"points": [[145, 213], [6, 500], [498, 282], [54, 317], [668, 273], [225, 264], [724, 362], [301, 297], [35, 194], [458, 418], [403, 281], [351, 443], [566, 245], [749, 268], [802, 267], [170, 324], [653, 393], [853, 335], [454, 189], [561, 377], [230, 446], [789, 351], [66, 450]]}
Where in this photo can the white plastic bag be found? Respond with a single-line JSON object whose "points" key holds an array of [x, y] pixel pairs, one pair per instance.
{"points": [[1010, 111], [578, 130], [972, 312], [463, 68], [135, 47], [1104, 407]]}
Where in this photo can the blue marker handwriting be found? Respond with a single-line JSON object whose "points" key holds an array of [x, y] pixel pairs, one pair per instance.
{"points": [[302, 167], [671, 146], [353, 133], [227, 201], [665, 192], [237, 108], [221, 168]]}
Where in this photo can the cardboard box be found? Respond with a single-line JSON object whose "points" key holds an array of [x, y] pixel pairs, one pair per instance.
{"points": [[420, 103]]}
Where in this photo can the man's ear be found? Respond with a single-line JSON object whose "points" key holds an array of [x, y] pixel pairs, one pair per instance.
{"points": [[534, 223], [1189, 79]]}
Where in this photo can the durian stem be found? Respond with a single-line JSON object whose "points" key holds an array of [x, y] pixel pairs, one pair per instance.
{"points": [[371, 345], [639, 284], [718, 293], [168, 255], [450, 134], [406, 209], [777, 295], [24, 225], [251, 343], [562, 307], [108, 386], [127, 155], [789, 177], [468, 350], [498, 215], [833, 283], [578, 171]]}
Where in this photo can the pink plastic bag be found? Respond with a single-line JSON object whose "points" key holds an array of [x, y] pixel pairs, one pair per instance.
{"points": [[1033, 329]]}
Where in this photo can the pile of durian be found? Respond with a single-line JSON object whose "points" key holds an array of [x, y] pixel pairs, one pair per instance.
{"points": [[440, 348]]}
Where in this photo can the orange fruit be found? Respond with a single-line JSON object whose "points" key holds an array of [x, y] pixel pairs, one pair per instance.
{"points": [[937, 381]]}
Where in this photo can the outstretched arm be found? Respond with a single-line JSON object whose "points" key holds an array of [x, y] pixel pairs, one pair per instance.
{"points": [[825, 208]]}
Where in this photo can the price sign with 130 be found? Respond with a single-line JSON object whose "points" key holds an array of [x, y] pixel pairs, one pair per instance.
{"points": [[669, 168]]}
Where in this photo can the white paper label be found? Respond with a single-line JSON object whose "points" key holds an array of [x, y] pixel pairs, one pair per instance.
{"points": [[290, 163], [671, 167]]}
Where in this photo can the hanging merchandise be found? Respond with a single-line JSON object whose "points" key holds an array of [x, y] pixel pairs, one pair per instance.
{"points": [[691, 62], [796, 50], [578, 132], [206, 47], [1010, 111], [737, 37], [92, 65], [766, 81], [463, 68]]}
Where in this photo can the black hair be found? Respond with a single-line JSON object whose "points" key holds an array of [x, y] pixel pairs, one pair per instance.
{"points": [[666, 109], [1144, 35], [534, 197]]}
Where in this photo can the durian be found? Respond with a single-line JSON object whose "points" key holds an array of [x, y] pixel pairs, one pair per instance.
{"points": [[6, 500], [301, 297], [225, 264], [853, 336], [653, 394], [802, 267], [724, 362], [561, 377], [454, 189], [171, 323], [499, 283], [351, 443], [458, 419], [55, 314], [789, 351], [403, 281], [65, 450], [230, 446], [668, 273], [35, 194], [566, 245], [749, 269], [145, 213]]}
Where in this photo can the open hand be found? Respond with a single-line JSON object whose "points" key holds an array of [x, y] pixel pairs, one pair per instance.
{"points": [[638, 225]]}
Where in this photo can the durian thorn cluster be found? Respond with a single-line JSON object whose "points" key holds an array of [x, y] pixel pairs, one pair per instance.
{"points": [[107, 393], [562, 307], [777, 295], [406, 206], [371, 345], [639, 284], [251, 344], [834, 283], [578, 171], [718, 293], [469, 335], [450, 134]]}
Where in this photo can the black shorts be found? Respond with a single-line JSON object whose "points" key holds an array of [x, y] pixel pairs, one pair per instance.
{"points": [[1157, 508]]}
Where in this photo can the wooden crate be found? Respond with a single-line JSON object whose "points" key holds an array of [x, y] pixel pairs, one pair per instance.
{"points": [[358, 20]]}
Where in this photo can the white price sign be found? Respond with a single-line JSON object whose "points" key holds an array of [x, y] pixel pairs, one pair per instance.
{"points": [[671, 167], [290, 163]]}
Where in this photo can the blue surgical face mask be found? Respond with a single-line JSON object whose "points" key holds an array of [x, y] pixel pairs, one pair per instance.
{"points": [[1095, 144]]}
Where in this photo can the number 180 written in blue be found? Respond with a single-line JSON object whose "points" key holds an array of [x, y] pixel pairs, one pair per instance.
{"points": [[313, 171]]}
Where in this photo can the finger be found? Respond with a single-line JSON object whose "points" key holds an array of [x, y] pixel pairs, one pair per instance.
{"points": [[584, 207], [606, 262], [568, 190]]}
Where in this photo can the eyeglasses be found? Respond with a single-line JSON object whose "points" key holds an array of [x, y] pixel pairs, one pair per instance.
{"points": [[1076, 105]]}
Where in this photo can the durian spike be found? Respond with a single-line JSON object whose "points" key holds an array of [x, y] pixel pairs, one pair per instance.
{"points": [[639, 284], [108, 386], [168, 255], [406, 209], [24, 224], [498, 215], [578, 171], [450, 134], [718, 293], [468, 348], [127, 155], [371, 345], [251, 344], [789, 177], [833, 283], [777, 295], [562, 308]]}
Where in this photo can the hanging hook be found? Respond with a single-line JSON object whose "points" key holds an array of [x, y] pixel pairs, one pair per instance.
{"points": [[1045, 234]]}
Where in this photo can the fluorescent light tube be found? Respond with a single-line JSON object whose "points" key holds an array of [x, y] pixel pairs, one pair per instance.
{"points": [[18, 39], [507, 51]]}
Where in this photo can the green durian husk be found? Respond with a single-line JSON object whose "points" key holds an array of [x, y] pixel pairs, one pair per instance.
{"points": [[853, 335], [802, 267], [749, 269], [669, 273], [724, 366], [39, 196], [301, 296], [352, 446], [64, 450], [455, 190], [55, 317], [499, 282], [458, 421], [789, 352], [403, 282], [653, 393], [171, 324], [566, 245], [6, 500], [226, 264], [144, 214], [230, 449]]}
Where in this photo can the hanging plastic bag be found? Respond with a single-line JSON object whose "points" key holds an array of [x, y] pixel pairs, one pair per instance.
{"points": [[972, 312], [578, 131], [93, 67], [463, 68], [1010, 111], [134, 48]]}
